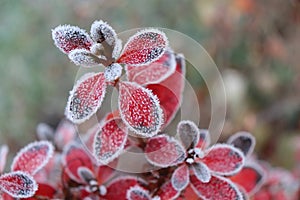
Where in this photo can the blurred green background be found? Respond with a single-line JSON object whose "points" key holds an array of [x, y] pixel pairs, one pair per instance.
{"points": [[254, 43]]}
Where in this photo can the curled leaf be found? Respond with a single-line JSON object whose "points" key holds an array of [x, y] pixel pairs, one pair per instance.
{"points": [[86, 97], [223, 159], [68, 38], [18, 184], [243, 141], [153, 73], [33, 157], [139, 109], [169, 91], [84, 58], [110, 140], [137, 193], [164, 151], [144, 47], [180, 178], [103, 32]]}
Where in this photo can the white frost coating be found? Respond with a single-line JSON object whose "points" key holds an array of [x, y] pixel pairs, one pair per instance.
{"points": [[22, 186], [139, 191], [3, 156], [202, 172], [69, 115], [153, 57], [79, 37], [34, 146], [180, 178], [199, 152], [102, 190], [244, 141], [83, 58], [234, 150], [117, 49], [142, 131], [188, 133], [113, 72], [190, 161], [102, 31]]}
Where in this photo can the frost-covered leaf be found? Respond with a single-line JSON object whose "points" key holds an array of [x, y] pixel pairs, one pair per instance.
{"points": [[117, 49], [86, 97], [153, 73], [188, 133], [18, 184], [105, 173], [44, 132], [113, 72], [110, 140], [180, 177], [137, 193], [202, 172], [85, 174], [117, 189], [83, 57], [140, 109], [33, 157], [64, 134], [204, 139], [144, 47], [169, 91], [243, 141], [74, 157], [189, 193], [251, 178], [103, 32], [224, 159], [68, 38], [167, 191], [164, 151], [216, 188], [3, 157]]}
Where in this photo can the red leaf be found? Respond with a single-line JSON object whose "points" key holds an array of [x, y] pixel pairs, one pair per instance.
{"points": [[44, 191], [224, 159], [137, 193], [189, 194], [154, 72], [73, 158], [216, 188], [86, 97], [105, 173], [68, 38], [188, 133], [18, 184], [110, 140], [144, 47], [3, 157], [169, 91], [251, 177], [167, 192], [164, 151], [64, 134], [117, 189], [202, 172], [33, 157], [180, 177], [243, 141], [139, 109]]}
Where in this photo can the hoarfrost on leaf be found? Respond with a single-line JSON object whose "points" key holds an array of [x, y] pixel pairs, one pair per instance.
{"points": [[188, 133], [144, 47], [243, 141], [113, 72], [86, 97], [68, 38], [137, 193], [18, 184], [140, 109], [202, 172], [84, 58], [103, 32], [33, 157], [180, 177]]}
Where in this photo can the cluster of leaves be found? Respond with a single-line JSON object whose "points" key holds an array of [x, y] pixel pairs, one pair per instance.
{"points": [[187, 166]]}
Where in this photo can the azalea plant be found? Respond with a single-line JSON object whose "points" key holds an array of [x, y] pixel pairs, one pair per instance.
{"points": [[184, 166]]}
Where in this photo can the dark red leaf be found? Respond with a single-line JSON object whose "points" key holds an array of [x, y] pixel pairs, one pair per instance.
{"points": [[110, 140], [68, 38], [117, 189], [216, 188], [44, 191], [137, 193], [18, 184], [73, 158], [224, 159], [33, 157], [180, 177], [139, 109], [86, 97], [164, 151], [105, 173], [144, 47], [167, 192], [169, 91], [154, 72]]}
